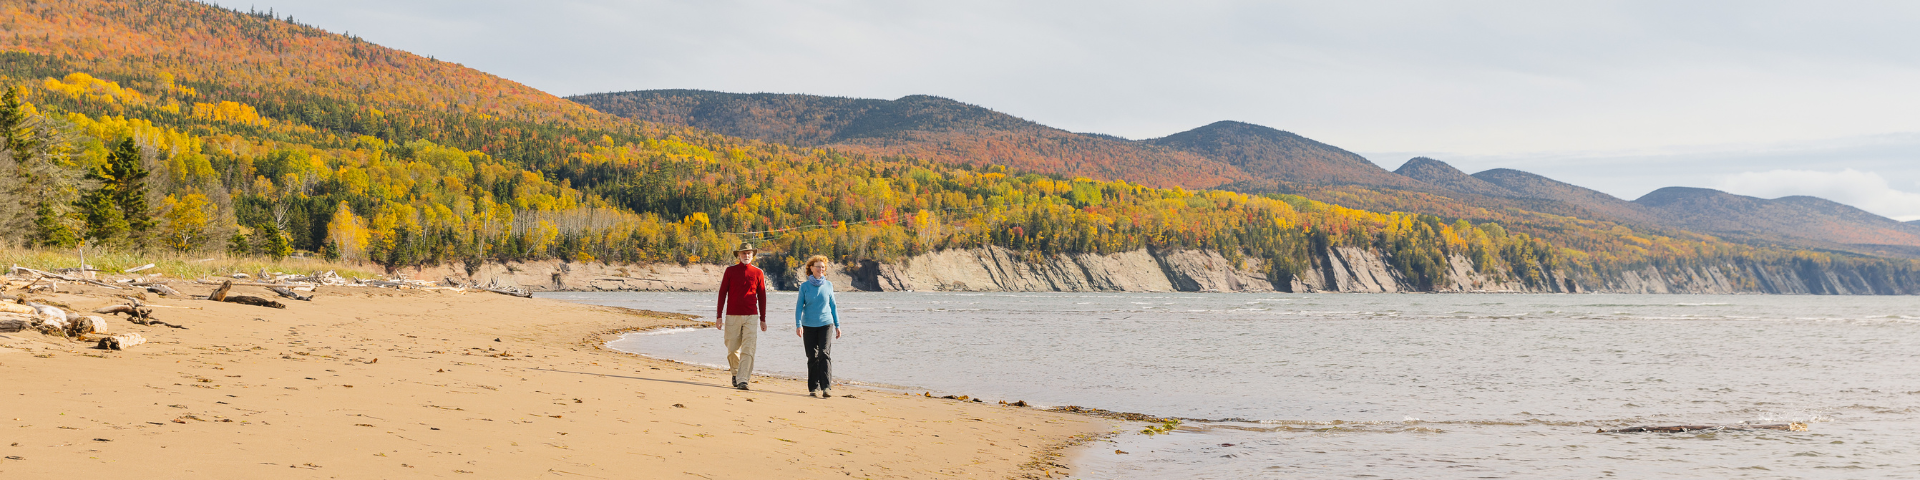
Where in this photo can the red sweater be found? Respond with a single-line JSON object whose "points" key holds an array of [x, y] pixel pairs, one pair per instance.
{"points": [[743, 291]]}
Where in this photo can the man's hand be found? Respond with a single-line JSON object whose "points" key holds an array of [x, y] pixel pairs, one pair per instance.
{"points": [[716, 324], [763, 324], [799, 332], [836, 332]]}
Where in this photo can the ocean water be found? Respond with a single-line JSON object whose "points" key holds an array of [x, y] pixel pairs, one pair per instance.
{"points": [[1395, 386]]}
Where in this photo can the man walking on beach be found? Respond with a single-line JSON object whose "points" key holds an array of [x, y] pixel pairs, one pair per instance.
{"points": [[743, 295]]}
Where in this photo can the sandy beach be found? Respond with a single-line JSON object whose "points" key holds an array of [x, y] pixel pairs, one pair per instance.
{"points": [[387, 383]]}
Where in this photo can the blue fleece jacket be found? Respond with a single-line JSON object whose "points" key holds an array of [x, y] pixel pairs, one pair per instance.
{"points": [[815, 307]]}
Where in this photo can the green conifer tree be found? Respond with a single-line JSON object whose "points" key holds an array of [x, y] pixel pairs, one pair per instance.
{"points": [[117, 210], [272, 241], [38, 184]]}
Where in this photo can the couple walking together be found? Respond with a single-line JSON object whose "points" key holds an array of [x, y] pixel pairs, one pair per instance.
{"points": [[743, 295]]}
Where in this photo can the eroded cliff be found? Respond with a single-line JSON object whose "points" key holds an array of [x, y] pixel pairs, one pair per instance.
{"points": [[1336, 269]]}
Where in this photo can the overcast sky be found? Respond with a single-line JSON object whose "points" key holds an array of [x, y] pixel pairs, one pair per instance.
{"points": [[1759, 98]]}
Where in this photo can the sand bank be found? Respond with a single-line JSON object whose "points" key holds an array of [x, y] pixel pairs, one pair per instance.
{"points": [[384, 383]]}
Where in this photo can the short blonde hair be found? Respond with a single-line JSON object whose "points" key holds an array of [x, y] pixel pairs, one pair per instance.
{"points": [[807, 268]]}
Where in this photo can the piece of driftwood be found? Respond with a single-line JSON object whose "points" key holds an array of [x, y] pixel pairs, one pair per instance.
{"points": [[243, 284], [255, 301], [220, 294], [10, 323], [51, 326], [137, 313], [159, 288], [121, 309], [17, 308], [289, 293], [136, 269], [508, 291], [121, 341], [52, 275], [49, 312], [153, 321], [85, 325], [1792, 427]]}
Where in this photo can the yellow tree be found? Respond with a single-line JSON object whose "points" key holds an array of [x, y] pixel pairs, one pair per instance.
{"points": [[347, 233], [184, 225]]}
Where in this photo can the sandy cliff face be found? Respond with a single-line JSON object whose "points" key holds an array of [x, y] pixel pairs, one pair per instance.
{"points": [[1337, 269], [995, 269]]}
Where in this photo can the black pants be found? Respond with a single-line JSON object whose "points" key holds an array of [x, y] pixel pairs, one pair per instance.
{"points": [[818, 342]]}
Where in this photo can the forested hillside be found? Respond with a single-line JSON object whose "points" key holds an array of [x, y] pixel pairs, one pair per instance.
{"points": [[184, 126], [920, 126], [1786, 217]]}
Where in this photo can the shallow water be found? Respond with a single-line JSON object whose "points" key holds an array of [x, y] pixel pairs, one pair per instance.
{"points": [[1398, 386]]}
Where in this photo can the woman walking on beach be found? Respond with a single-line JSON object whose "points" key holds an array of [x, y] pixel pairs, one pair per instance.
{"points": [[816, 312]]}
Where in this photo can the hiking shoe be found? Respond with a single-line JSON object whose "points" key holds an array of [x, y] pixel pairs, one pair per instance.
{"points": [[813, 393], [741, 385], [826, 393]]}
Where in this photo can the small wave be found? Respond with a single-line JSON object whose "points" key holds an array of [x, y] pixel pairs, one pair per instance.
{"points": [[662, 331]]}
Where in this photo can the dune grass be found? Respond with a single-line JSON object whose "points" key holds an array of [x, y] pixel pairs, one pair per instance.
{"points": [[177, 265]]}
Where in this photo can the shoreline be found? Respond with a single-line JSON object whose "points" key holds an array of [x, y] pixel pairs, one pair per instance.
{"points": [[368, 382]]}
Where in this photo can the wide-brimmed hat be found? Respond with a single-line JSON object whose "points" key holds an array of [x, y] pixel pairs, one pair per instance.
{"points": [[746, 247]]}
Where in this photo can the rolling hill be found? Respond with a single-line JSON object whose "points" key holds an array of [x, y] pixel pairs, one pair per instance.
{"points": [[1283, 158], [1232, 155], [1794, 217], [921, 126]]}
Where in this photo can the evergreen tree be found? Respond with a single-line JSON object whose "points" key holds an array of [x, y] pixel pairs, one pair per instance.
{"points": [[13, 126], [105, 224], [272, 241], [239, 244], [49, 229], [37, 183], [118, 208]]}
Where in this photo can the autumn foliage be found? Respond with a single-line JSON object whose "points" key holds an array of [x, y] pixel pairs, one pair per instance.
{"points": [[262, 136]]}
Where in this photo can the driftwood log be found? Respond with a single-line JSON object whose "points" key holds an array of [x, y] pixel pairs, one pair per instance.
{"points": [[1792, 427], [84, 325], [10, 323], [50, 313], [67, 278], [256, 301], [289, 293], [220, 294], [248, 284], [509, 292], [121, 341], [121, 309], [159, 288], [136, 313]]}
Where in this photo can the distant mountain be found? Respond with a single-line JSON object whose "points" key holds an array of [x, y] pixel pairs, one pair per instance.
{"points": [[1795, 217], [1803, 221], [1274, 155], [918, 125], [1536, 187], [1246, 157], [1443, 175]]}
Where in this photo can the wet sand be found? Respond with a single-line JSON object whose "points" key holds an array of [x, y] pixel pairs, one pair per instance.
{"points": [[384, 383]]}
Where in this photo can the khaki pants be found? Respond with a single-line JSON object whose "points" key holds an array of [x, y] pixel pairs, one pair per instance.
{"points": [[741, 337]]}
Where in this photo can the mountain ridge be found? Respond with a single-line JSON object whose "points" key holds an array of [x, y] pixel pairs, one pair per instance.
{"points": [[1224, 154], [926, 126]]}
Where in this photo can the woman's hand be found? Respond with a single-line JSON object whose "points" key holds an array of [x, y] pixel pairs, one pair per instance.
{"points": [[836, 332], [799, 332]]}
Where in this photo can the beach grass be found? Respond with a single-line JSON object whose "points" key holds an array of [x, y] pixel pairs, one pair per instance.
{"points": [[176, 264]]}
